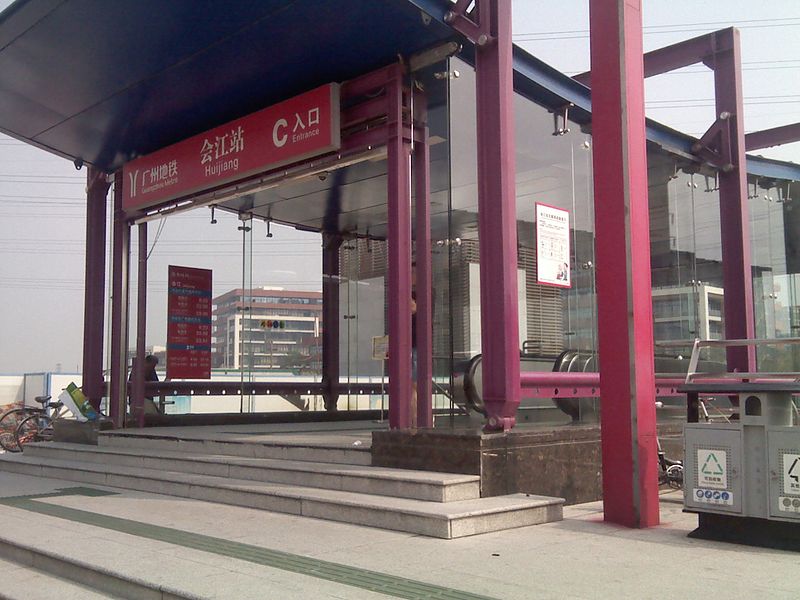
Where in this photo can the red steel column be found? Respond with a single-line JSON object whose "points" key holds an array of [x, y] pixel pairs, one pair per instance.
{"points": [[118, 392], [625, 323], [95, 286], [399, 236], [497, 217], [421, 171], [137, 393], [734, 215]]}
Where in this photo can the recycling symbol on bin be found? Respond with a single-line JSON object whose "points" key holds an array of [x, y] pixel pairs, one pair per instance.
{"points": [[712, 466]]}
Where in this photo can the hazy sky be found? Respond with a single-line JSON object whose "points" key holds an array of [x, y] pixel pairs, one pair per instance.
{"points": [[42, 227]]}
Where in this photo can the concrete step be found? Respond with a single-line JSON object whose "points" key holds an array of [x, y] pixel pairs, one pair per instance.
{"points": [[26, 583], [435, 519], [397, 483], [31, 573], [235, 446]]}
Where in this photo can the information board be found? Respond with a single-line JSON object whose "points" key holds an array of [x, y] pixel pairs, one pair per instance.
{"points": [[189, 323], [552, 246]]}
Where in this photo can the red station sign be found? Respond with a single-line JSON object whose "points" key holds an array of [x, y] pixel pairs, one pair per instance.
{"points": [[299, 128], [189, 323]]}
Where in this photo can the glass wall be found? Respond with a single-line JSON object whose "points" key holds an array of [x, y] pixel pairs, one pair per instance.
{"points": [[555, 169], [550, 170], [774, 254]]}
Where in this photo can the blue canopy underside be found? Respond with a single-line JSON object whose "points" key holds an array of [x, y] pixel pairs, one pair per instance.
{"points": [[107, 81]]}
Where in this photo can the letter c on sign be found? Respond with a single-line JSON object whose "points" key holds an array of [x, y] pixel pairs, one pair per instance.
{"points": [[279, 141]]}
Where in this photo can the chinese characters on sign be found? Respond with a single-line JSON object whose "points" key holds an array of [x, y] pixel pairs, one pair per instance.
{"points": [[189, 323], [552, 246], [299, 128], [229, 143]]}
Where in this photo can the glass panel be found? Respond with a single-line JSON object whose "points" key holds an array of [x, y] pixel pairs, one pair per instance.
{"points": [[686, 259], [773, 253], [247, 329], [437, 86], [555, 170], [284, 314], [363, 313]]}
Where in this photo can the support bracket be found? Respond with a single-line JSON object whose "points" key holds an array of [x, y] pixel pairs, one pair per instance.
{"points": [[561, 119], [465, 17], [715, 145]]}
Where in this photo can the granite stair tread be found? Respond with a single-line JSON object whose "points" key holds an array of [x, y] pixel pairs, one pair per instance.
{"points": [[235, 438], [241, 444], [436, 510], [24, 582], [270, 463]]}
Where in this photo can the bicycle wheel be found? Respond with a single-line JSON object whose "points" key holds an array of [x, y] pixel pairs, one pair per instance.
{"points": [[35, 428], [9, 422]]}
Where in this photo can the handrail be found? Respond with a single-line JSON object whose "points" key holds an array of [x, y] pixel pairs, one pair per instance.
{"points": [[692, 373]]}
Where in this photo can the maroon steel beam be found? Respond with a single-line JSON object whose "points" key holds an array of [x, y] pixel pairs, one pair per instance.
{"points": [[420, 168], [95, 286], [137, 400], [367, 84], [734, 211], [370, 138], [119, 308], [677, 56], [368, 110], [497, 223], [669, 58], [330, 318], [399, 263], [625, 320], [776, 136]]}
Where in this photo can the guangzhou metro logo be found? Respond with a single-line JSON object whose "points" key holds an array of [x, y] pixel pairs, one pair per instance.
{"points": [[134, 177]]}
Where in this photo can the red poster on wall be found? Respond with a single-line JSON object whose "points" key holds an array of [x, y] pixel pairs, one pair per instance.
{"points": [[290, 131], [189, 323]]}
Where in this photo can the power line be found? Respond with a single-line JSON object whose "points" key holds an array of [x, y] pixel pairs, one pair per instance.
{"points": [[670, 25], [65, 182], [271, 241], [711, 104], [713, 99], [705, 71], [648, 30]]}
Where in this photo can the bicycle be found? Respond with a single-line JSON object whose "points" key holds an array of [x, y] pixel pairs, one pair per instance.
{"points": [[670, 472], [38, 426], [10, 420]]}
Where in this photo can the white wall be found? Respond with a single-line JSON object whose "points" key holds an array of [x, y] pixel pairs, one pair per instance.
{"points": [[18, 389], [10, 390]]}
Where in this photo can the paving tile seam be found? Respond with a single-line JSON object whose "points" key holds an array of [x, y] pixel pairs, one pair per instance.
{"points": [[353, 576]]}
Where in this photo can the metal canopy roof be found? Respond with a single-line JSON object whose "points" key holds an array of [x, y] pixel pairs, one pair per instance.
{"points": [[106, 81]]}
